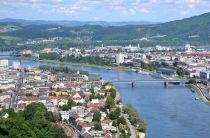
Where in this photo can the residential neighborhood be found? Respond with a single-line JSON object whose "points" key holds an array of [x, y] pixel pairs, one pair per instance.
{"points": [[88, 106]]}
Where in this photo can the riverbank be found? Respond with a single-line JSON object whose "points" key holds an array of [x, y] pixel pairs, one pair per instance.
{"points": [[90, 65], [200, 93], [134, 132]]}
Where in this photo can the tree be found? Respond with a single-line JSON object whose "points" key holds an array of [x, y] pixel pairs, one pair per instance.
{"points": [[97, 126], [113, 93], [34, 121], [109, 102], [192, 81], [121, 120], [31, 110], [114, 123], [180, 72], [96, 117], [135, 118], [69, 104], [115, 114]]}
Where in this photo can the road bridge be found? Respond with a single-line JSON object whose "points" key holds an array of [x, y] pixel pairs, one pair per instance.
{"points": [[133, 81], [150, 80], [165, 81]]}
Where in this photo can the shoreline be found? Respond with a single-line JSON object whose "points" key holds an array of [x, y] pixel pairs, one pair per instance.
{"points": [[199, 92], [122, 68]]}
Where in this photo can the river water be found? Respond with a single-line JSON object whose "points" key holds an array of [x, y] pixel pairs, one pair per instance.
{"points": [[170, 112]]}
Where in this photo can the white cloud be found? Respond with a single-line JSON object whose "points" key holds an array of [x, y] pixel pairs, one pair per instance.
{"points": [[77, 7], [36, 6], [133, 11], [144, 10], [120, 9], [152, 1]]}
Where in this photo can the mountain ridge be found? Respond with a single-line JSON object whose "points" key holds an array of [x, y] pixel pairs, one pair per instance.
{"points": [[74, 22], [194, 30]]}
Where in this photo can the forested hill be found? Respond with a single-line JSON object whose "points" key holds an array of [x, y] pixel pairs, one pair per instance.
{"points": [[195, 30]]}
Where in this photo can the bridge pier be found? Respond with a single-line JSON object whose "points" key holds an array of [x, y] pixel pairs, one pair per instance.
{"points": [[132, 84], [165, 84]]}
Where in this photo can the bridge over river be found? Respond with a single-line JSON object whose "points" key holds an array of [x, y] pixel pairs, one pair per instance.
{"points": [[165, 81], [133, 81]]}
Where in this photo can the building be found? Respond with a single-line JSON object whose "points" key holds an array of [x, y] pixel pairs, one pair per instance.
{"points": [[4, 62], [166, 71], [131, 48], [16, 65], [162, 48], [205, 74], [188, 48], [120, 58]]}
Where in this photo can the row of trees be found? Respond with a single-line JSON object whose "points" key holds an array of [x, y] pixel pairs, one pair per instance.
{"points": [[63, 69], [35, 121], [134, 118], [95, 60]]}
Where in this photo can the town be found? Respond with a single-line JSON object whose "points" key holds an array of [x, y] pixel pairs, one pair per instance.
{"points": [[185, 62], [87, 105]]}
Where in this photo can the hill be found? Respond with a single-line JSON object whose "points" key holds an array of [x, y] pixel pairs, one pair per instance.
{"points": [[194, 30], [72, 23]]}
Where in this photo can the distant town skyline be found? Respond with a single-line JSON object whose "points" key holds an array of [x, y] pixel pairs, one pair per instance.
{"points": [[103, 10]]}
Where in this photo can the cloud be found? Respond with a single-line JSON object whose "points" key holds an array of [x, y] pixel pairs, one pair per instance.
{"points": [[114, 8], [152, 1], [36, 6], [77, 7], [120, 9], [144, 10]]}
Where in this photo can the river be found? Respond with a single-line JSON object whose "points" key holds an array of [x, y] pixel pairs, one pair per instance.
{"points": [[170, 112]]}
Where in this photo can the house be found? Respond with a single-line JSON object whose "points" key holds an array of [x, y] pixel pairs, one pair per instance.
{"points": [[87, 135], [65, 115], [106, 123], [108, 87], [107, 134], [50, 106], [94, 101], [96, 89], [4, 96], [85, 125], [5, 103], [78, 110], [62, 102], [5, 115], [77, 98]]}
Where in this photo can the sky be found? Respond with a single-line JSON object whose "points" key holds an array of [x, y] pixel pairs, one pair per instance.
{"points": [[103, 10]]}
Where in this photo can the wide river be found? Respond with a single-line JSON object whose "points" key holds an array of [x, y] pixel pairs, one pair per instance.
{"points": [[170, 112]]}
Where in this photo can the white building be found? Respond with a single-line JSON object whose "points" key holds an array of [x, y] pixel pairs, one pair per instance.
{"points": [[16, 65], [132, 48], [65, 115], [120, 58], [188, 48], [162, 48], [4, 62]]}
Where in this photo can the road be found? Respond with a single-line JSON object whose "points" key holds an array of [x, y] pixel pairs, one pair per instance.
{"points": [[69, 130], [18, 86], [132, 129]]}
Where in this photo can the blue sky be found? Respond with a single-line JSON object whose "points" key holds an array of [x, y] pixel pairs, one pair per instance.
{"points": [[103, 10]]}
